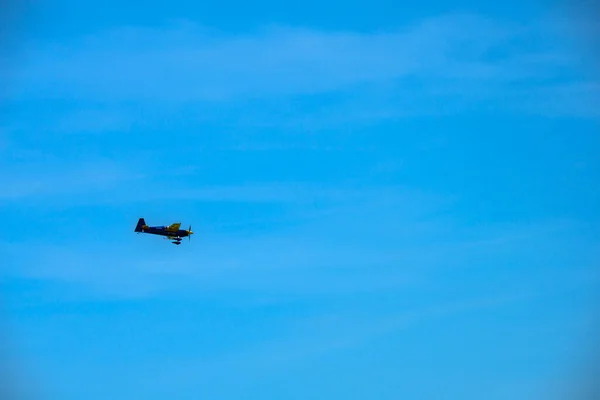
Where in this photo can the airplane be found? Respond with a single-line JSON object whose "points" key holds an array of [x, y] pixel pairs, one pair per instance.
{"points": [[170, 232]]}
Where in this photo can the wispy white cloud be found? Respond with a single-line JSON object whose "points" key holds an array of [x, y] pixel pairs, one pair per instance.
{"points": [[133, 78], [43, 179], [304, 341], [187, 63], [316, 252], [314, 249], [4, 141], [288, 344], [89, 120]]}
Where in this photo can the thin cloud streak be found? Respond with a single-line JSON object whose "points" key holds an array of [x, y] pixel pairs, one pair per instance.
{"points": [[132, 80], [309, 340], [90, 177], [325, 256], [188, 64]]}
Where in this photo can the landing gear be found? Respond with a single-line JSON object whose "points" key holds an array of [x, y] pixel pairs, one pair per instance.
{"points": [[177, 241]]}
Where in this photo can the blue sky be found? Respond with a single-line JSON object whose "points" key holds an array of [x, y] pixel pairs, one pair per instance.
{"points": [[387, 204]]}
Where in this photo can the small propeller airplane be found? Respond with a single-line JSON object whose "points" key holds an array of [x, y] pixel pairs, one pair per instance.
{"points": [[171, 232]]}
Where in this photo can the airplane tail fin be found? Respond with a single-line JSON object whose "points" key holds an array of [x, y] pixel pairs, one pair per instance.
{"points": [[140, 224]]}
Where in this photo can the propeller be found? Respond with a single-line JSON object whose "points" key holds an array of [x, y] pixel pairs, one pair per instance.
{"points": [[190, 233]]}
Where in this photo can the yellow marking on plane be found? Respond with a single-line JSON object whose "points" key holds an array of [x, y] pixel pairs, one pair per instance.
{"points": [[174, 227]]}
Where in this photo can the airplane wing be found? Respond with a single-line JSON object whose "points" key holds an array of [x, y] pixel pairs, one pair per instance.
{"points": [[174, 227]]}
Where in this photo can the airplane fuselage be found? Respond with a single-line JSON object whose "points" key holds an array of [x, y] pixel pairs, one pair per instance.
{"points": [[162, 231]]}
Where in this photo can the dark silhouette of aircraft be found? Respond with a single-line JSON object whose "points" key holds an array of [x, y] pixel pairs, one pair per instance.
{"points": [[171, 232]]}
